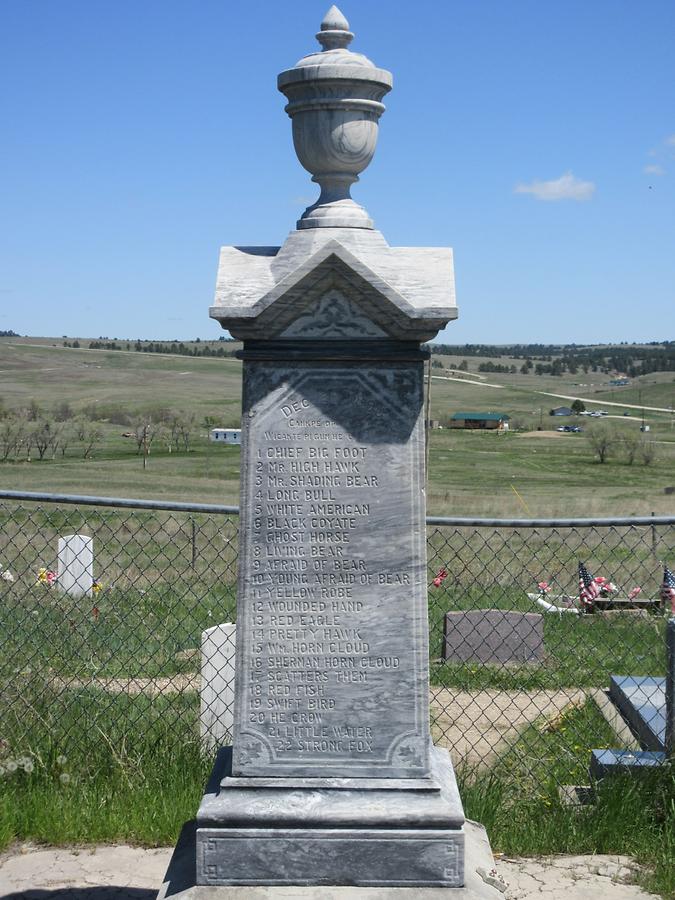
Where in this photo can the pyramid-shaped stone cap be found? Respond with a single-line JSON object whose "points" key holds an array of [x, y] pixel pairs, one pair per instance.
{"points": [[335, 284]]}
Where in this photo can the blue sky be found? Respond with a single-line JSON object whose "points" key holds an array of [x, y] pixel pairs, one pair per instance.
{"points": [[536, 138]]}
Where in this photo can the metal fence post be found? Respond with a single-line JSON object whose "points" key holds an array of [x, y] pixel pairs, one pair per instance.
{"points": [[194, 542], [670, 688]]}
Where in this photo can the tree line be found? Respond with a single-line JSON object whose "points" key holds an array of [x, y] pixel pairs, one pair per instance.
{"points": [[177, 348], [558, 359], [33, 433]]}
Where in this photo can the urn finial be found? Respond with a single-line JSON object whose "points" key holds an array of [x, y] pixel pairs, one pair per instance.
{"points": [[335, 32], [334, 101]]}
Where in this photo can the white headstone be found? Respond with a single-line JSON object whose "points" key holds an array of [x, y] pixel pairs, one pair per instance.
{"points": [[76, 564], [217, 693]]}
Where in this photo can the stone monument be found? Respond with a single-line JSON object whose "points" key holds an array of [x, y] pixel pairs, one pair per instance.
{"points": [[76, 565], [332, 778]]}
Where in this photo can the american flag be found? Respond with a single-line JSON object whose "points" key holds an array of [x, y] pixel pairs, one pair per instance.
{"points": [[588, 589], [668, 588]]}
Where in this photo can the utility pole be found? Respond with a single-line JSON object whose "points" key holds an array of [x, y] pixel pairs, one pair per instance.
{"points": [[642, 427]]}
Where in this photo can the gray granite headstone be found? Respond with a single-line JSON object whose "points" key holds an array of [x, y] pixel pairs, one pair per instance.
{"points": [[493, 636], [332, 778]]}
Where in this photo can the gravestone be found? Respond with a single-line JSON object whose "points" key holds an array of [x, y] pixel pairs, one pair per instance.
{"points": [[76, 564], [217, 684], [493, 636], [332, 778]]}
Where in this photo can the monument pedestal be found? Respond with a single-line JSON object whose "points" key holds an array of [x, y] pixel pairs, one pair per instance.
{"points": [[311, 831], [180, 881], [332, 787]]}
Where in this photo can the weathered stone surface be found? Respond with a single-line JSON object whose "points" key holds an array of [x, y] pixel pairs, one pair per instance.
{"points": [[394, 857], [335, 103], [217, 687], [179, 882], [408, 292], [493, 636], [391, 831], [332, 644], [332, 779], [76, 564]]}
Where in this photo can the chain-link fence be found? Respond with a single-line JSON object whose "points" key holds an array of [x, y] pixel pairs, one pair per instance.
{"points": [[94, 651]]}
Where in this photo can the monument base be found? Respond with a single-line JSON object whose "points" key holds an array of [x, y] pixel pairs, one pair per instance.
{"points": [[179, 881], [331, 831]]}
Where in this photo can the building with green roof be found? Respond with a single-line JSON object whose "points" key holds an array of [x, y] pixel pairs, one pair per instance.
{"points": [[489, 421]]}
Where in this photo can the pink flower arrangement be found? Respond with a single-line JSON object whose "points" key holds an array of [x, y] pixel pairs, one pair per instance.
{"points": [[634, 593], [441, 575], [544, 587], [47, 577], [605, 587]]}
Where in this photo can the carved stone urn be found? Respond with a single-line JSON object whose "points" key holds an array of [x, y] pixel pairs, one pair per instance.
{"points": [[334, 100]]}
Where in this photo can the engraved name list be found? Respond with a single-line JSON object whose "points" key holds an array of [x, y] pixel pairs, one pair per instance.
{"points": [[320, 585]]}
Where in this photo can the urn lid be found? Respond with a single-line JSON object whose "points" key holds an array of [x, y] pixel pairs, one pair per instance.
{"points": [[335, 60]]}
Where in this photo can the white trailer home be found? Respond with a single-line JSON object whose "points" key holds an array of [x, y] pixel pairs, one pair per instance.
{"points": [[225, 435]]}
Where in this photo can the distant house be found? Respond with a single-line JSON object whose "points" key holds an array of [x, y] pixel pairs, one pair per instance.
{"points": [[561, 411], [225, 435], [472, 420]]}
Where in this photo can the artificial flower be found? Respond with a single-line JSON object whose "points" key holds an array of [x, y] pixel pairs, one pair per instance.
{"points": [[46, 576]]}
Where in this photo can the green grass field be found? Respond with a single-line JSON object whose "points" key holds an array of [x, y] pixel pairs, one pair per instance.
{"points": [[528, 473], [105, 765], [141, 785]]}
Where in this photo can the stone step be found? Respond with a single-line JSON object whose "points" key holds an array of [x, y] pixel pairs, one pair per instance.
{"points": [[641, 700], [612, 762]]}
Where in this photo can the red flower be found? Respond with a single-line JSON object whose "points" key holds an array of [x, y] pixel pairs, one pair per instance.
{"points": [[441, 575]]}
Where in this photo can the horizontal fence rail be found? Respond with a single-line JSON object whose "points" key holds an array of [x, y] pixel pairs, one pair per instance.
{"points": [[118, 617], [219, 509]]}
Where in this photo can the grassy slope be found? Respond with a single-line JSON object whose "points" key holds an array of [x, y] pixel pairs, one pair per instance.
{"points": [[470, 473]]}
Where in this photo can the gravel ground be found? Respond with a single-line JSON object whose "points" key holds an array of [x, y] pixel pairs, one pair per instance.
{"points": [[129, 873]]}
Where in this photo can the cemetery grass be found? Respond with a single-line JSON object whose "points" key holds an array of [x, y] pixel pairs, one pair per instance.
{"points": [[519, 803], [154, 635], [131, 770], [579, 651], [103, 769]]}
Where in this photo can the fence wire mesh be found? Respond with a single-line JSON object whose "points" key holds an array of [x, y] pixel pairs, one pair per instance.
{"points": [[123, 653]]}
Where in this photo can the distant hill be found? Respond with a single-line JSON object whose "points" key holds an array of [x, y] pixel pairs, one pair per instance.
{"points": [[632, 360]]}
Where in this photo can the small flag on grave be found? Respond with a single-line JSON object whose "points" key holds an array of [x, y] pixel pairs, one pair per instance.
{"points": [[588, 588], [668, 589]]}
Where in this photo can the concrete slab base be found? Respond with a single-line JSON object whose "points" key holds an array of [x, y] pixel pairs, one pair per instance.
{"points": [[179, 882]]}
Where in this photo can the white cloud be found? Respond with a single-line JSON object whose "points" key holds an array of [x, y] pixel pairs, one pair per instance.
{"points": [[567, 187], [670, 141], [654, 170]]}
